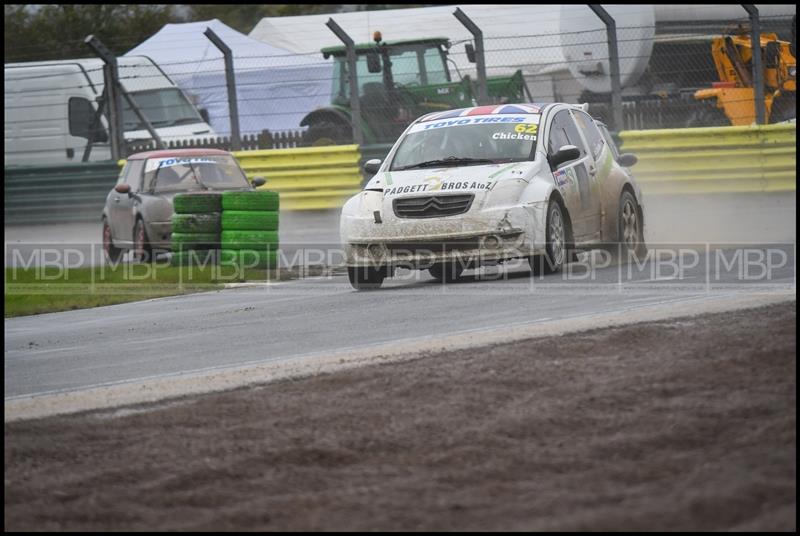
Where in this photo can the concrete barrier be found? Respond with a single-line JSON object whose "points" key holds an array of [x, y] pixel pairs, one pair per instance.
{"points": [[714, 160]]}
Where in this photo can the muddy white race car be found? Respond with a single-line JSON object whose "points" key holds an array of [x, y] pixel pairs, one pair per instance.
{"points": [[487, 184]]}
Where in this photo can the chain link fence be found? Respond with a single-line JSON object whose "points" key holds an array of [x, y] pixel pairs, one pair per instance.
{"points": [[673, 75]]}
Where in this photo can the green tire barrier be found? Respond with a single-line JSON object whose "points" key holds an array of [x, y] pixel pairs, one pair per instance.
{"points": [[189, 241], [201, 257], [253, 200], [194, 203], [196, 223], [249, 239], [249, 258], [241, 220]]}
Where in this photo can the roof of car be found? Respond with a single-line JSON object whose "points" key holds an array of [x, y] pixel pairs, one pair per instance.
{"points": [[527, 108], [166, 153]]}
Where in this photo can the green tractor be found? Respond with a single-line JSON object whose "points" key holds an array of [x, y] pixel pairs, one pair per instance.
{"points": [[399, 81]]}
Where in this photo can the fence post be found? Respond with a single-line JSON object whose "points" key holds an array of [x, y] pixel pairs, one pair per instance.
{"points": [[355, 104], [113, 101], [758, 71], [230, 79], [613, 61], [480, 60]]}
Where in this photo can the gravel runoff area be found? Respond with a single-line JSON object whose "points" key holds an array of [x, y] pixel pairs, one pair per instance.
{"points": [[683, 424]]}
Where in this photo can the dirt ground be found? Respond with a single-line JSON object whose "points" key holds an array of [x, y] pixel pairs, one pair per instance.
{"points": [[673, 425]]}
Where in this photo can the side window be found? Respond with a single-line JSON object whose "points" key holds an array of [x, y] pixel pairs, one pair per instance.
{"points": [[134, 174], [593, 136], [564, 132], [81, 113], [610, 141]]}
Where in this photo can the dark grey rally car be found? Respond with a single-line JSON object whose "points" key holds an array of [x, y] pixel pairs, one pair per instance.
{"points": [[138, 210]]}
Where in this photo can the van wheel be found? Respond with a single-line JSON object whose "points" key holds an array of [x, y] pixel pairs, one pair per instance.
{"points": [[113, 254], [142, 250]]}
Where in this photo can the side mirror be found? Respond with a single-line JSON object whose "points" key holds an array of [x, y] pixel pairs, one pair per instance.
{"points": [[372, 166], [204, 115], [627, 159], [259, 181], [470, 49], [373, 62], [123, 188], [565, 154]]}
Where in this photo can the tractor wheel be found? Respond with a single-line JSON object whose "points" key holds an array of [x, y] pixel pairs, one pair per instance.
{"points": [[708, 116], [329, 133]]}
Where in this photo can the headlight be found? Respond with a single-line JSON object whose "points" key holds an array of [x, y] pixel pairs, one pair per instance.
{"points": [[793, 71]]}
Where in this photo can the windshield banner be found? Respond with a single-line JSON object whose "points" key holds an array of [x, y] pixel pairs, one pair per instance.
{"points": [[158, 163], [477, 120]]}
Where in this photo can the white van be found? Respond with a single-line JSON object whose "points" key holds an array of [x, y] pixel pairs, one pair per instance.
{"points": [[50, 109]]}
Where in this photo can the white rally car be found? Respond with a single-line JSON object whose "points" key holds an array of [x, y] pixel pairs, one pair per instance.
{"points": [[487, 184]]}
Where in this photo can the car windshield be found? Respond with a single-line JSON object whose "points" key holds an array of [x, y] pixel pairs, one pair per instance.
{"points": [[468, 141], [175, 174], [162, 107]]}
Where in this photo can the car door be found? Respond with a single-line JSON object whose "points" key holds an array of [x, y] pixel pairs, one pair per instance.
{"points": [[122, 206], [599, 168], [573, 178]]}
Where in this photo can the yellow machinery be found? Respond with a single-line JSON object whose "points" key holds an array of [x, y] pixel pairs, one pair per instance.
{"points": [[735, 92]]}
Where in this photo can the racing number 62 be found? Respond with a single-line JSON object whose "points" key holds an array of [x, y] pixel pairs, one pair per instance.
{"points": [[525, 128]]}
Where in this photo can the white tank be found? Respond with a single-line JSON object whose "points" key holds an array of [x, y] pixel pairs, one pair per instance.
{"points": [[585, 46]]}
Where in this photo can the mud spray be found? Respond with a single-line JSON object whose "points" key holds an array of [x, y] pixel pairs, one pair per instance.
{"points": [[745, 218]]}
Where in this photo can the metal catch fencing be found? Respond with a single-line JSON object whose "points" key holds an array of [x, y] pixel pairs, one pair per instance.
{"points": [[443, 60]]}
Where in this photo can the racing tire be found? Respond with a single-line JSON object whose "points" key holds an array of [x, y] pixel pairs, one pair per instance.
{"points": [[446, 272], [194, 257], [197, 203], [189, 241], [630, 229], [249, 240], [244, 220], [367, 277], [196, 223], [261, 200], [142, 250], [556, 245], [112, 254], [249, 258]]}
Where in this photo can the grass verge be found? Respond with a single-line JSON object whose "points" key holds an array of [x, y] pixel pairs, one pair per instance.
{"points": [[50, 289]]}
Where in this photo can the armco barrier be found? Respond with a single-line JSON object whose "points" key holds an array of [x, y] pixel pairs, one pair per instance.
{"points": [[62, 193], [307, 178], [714, 160]]}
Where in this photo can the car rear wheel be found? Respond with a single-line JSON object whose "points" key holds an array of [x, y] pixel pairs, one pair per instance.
{"points": [[555, 243], [367, 277], [446, 272], [142, 251], [631, 230], [112, 253]]}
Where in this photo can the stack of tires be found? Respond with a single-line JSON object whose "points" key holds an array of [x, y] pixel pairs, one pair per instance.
{"points": [[196, 226], [250, 229]]}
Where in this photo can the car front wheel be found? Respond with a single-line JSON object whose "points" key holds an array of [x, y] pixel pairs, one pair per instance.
{"points": [[446, 272], [555, 243], [142, 251], [367, 277], [112, 253]]}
